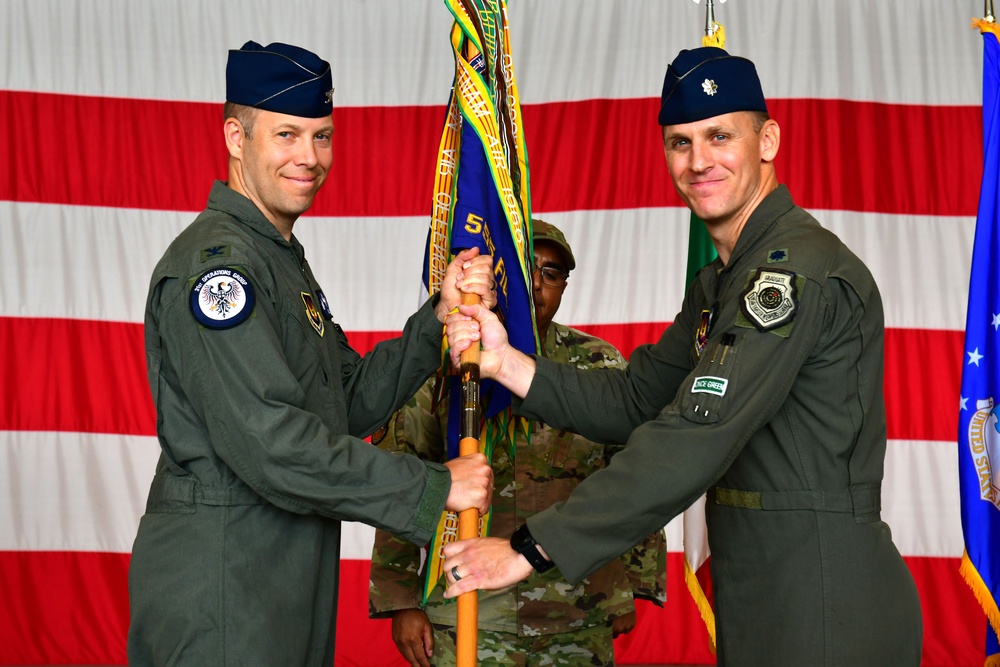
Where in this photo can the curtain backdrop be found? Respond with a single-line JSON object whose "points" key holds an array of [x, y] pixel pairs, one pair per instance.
{"points": [[111, 136]]}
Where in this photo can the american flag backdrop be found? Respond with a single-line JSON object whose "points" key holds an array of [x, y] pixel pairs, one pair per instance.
{"points": [[111, 137]]}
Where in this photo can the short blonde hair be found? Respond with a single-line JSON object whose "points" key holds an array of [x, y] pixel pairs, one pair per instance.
{"points": [[246, 115]]}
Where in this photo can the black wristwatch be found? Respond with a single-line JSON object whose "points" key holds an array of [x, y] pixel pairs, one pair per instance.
{"points": [[523, 543]]}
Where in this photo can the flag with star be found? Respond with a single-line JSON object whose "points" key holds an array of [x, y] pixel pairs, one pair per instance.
{"points": [[979, 420]]}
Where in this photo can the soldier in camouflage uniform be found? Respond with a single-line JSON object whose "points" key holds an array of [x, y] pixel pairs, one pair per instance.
{"points": [[544, 620]]}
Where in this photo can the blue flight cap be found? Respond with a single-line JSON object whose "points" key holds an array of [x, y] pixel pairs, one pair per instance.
{"points": [[280, 78], [706, 82]]}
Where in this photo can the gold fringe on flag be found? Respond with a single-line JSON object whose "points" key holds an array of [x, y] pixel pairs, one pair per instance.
{"points": [[701, 602], [981, 591]]}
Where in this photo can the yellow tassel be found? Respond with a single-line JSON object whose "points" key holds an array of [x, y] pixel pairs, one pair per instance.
{"points": [[986, 26], [717, 38]]}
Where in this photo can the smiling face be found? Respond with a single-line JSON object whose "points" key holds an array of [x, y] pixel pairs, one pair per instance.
{"points": [[281, 168], [722, 166]]}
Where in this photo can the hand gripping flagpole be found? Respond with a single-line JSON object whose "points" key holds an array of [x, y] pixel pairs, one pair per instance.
{"points": [[483, 197], [467, 614], [467, 630]]}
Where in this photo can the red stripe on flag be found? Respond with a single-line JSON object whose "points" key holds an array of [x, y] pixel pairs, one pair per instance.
{"points": [[85, 376], [63, 608], [72, 608], [627, 169], [626, 336], [954, 627], [954, 623], [90, 376], [74, 375], [863, 145], [179, 147], [923, 376]]}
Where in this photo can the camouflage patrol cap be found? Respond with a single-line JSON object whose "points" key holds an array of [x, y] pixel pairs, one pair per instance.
{"points": [[544, 231], [281, 78]]}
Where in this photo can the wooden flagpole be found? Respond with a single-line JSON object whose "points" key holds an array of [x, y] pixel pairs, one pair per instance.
{"points": [[467, 631]]}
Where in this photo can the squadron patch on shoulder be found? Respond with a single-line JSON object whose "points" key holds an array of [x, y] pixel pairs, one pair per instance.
{"points": [[312, 314], [771, 299], [324, 305], [222, 298]]}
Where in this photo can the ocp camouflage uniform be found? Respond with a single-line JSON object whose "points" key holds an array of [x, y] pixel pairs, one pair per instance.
{"points": [[543, 472]]}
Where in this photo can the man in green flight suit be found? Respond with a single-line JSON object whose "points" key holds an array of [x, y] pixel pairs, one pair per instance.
{"points": [[260, 402], [543, 620], [765, 392]]}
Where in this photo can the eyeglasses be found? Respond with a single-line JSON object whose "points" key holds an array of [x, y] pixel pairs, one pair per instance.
{"points": [[551, 276]]}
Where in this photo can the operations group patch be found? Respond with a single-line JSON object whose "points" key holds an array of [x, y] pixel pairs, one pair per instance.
{"points": [[771, 299], [222, 298]]}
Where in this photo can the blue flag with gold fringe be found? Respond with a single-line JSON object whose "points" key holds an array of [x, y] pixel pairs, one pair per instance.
{"points": [[979, 419], [482, 196], [482, 199]]}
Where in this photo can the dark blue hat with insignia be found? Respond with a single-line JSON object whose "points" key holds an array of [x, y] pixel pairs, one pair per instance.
{"points": [[707, 82], [280, 78]]}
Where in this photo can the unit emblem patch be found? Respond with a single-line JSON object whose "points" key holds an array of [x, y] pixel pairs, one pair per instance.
{"points": [[771, 299], [704, 329], [222, 298], [312, 314]]}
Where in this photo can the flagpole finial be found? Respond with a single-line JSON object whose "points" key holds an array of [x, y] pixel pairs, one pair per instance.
{"points": [[715, 34], [710, 23]]}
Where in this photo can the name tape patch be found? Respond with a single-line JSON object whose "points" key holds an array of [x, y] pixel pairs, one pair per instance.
{"points": [[710, 385]]}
